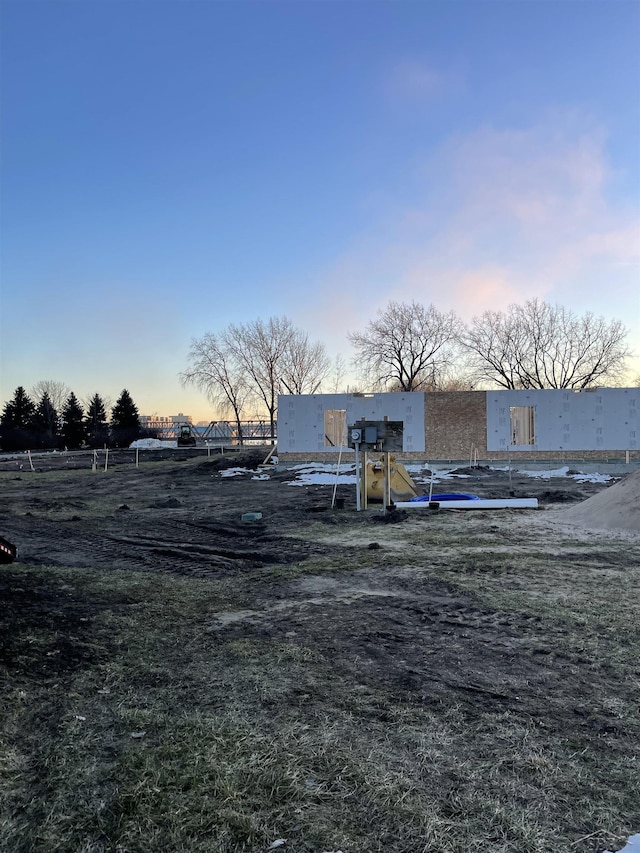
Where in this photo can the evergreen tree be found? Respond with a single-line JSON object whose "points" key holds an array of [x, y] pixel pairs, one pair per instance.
{"points": [[16, 422], [45, 423], [97, 429], [125, 420], [73, 431]]}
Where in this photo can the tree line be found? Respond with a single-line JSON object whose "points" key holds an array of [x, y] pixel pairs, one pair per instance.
{"points": [[53, 421], [410, 347], [407, 347]]}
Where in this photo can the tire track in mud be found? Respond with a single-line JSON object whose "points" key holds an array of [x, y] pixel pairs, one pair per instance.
{"points": [[194, 548]]}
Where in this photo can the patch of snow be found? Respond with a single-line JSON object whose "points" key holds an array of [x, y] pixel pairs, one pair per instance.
{"points": [[546, 475], [322, 479], [234, 472], [261, 477], [153, 444], [322, 474], [591, 478], [632, 845], [564, 472]]}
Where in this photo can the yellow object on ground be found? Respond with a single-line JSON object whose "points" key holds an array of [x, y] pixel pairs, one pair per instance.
{"points": [[402, 487]]}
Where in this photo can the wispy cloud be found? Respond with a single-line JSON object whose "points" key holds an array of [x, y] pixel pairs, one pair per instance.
{"points": [[414, 80], [511, 215]]}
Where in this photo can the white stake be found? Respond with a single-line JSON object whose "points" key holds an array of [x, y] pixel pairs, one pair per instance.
{"points": [[106, 458], [30, 460], [335, 485]]}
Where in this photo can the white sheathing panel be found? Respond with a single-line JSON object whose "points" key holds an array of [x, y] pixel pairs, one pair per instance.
{"points": [[607, 419], [301, 418]]}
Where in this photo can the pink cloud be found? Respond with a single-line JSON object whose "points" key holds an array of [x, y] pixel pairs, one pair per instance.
{"points": [[518, 214]]}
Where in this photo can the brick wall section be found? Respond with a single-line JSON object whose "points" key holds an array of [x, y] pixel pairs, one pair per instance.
{"points": [[455, 422]]}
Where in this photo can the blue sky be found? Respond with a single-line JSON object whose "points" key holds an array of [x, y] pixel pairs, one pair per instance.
{"points": [[171, 166]]}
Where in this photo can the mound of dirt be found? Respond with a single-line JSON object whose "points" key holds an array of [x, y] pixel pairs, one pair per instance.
{"points": [[615, 508]]}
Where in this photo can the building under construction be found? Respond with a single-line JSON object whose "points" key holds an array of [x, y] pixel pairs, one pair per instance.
{"points": [[475, 425]]}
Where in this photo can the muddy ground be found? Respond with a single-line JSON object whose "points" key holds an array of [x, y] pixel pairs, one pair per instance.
{"points": [[424, 612]]}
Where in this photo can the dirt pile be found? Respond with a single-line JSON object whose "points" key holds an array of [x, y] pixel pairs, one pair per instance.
{"points": [[614, 508]]}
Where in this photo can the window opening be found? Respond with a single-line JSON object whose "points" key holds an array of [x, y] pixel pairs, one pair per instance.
{"points": [[335, 428], [522, 423]]}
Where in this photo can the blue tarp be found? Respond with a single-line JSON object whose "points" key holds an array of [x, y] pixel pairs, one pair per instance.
{"points": [[452, 496]]}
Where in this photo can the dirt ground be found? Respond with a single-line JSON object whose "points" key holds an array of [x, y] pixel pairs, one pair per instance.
{"points": [[524, 631]]}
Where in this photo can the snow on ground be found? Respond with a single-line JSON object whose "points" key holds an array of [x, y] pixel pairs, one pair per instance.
{"points": [[153, 444], [322, 473], [564, 472]]}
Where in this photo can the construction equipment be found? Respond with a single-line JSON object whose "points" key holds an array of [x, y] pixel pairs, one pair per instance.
{"points": [[186, 436], [401, 486]]}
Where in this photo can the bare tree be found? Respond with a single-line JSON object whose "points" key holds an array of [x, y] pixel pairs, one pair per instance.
{"points": [[538, 345], [253, 363], [338, 374], [305, 365], [214, 369], [58, 392], [260, 349], [408, 348]]}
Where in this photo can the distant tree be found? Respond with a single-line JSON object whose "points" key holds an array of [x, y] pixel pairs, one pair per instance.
{"points": [[408, 348], [73, 430], [214, 370], [305, 365], [261, 349], [58, 392], [97, 428], [338, 374], [538, 345], [45, 423], [456, 381], [125, 420], [249, 364], [16, 422]]}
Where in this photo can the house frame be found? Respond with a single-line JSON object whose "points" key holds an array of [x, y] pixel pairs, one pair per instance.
{"points": [[455, 425]]}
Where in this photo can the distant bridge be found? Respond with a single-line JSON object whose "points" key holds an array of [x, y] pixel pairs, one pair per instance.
{"points": [[225, 432]]}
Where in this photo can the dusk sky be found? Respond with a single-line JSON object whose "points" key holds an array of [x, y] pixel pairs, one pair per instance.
{"points": [[171, 166]]}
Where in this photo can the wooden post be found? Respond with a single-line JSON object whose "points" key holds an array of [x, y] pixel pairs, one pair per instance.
{"points": [[137, 452]]}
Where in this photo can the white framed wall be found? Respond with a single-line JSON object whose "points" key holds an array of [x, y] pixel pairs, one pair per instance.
{"points": [[604, 419], [302, 418]]}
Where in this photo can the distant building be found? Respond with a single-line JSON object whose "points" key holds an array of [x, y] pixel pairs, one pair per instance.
{"points": [[164, 422]]}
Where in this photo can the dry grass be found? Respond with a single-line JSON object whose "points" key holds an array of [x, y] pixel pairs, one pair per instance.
{"points": [[134, 727]]}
